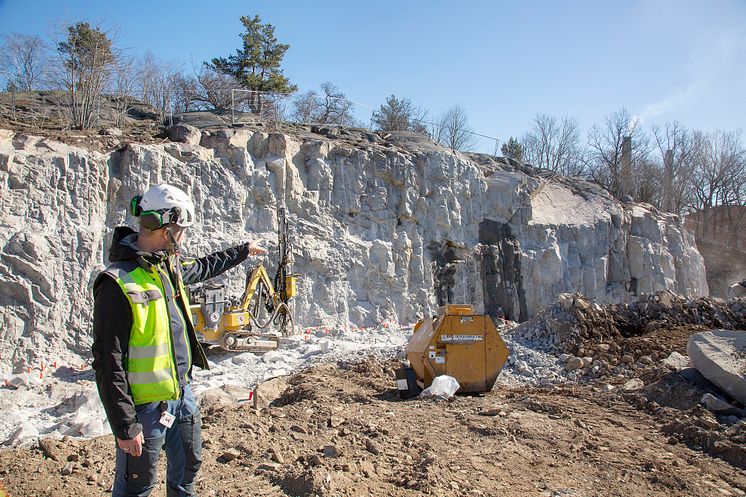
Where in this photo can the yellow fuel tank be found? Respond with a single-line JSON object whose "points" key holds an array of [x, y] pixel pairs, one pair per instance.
{"points": [[458, 343]]}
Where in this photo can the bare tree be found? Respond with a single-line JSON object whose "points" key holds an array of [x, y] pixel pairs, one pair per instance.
{"points": [[452, 129], [719, 174], [647, 182], [85, 70], [305, 107], [22, 60], [330, 108], [158, 84], [615, 153], [124, 84], [400, 115], [208, 89], [184, 88], [554, 144], [676, 146], [735, 192]]}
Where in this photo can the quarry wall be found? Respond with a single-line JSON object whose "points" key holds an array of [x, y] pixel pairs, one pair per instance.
{"points": [[380, 231]]}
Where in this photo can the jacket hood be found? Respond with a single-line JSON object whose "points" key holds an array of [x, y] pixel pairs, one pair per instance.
{"points": [[124, 247]]}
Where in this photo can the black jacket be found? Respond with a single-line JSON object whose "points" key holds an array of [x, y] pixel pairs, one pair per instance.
{"points": [[112, 323]]}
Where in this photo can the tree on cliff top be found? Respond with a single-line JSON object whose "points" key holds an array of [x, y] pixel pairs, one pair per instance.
{"points": [[22, 61], [512, 149], [618, 155], [399, 115], [451, 129], [256, 65], [330, 108], [554, 143], [87, 62]]}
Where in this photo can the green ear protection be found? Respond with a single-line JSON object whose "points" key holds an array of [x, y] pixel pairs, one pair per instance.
{"points": [[135, 208], [154, 220]]}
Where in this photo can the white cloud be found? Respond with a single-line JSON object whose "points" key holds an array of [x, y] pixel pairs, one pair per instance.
{"points": [[713, 61], [675, 100]]}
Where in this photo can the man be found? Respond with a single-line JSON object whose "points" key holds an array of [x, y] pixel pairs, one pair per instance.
{"points": [[144, 343]]}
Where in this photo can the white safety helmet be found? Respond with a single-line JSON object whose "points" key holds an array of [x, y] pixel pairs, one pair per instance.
{"points": [[163, 205]]}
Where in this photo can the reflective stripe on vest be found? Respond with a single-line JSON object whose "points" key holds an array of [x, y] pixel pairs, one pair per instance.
{"points": [[151, 369]]}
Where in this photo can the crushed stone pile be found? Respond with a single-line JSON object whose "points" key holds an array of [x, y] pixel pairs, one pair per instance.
{"points": [[529, 363]]}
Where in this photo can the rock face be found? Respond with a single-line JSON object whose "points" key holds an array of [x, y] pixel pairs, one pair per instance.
{"points": [[52, 228], [380, 231], [720, 356], [184, 133]]}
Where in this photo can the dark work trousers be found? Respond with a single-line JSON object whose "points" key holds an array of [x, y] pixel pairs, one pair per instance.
{"points": [[137, 476]]}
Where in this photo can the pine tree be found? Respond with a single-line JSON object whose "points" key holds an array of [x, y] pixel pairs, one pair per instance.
{"points": [[512, 149], [87, 59], [256, 66], [399, 115]]}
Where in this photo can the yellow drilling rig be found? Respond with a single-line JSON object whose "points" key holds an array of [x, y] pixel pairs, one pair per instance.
{"points": [[258, 320]]}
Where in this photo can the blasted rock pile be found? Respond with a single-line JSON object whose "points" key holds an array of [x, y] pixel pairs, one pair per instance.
{"points": [[594, 340]]}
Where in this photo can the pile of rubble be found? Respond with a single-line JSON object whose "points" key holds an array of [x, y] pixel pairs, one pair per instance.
{"points": [[592, 340]]}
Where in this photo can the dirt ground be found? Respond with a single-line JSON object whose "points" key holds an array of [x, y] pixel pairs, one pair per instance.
{"points": [[342, 430]]}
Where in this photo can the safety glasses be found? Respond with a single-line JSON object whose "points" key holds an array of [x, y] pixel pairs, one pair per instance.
{"points": [[157, 219], [154, 220]]}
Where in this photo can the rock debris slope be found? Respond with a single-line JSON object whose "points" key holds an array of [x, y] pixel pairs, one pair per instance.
{"points": [[384, 228]]}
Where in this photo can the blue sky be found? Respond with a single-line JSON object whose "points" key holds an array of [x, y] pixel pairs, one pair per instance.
{"points": [[504, 62]]}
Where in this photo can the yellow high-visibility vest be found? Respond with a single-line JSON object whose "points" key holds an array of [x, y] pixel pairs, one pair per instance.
{"points": [[151, 366]]}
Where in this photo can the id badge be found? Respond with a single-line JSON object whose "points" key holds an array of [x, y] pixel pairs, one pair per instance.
{"points": [[167, 419]]}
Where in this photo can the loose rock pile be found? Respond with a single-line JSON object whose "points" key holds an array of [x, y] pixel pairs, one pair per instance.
{"points": [[592, 340]]}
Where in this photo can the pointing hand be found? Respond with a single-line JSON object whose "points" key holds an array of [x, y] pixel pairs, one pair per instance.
{"points": [[255, 249]]}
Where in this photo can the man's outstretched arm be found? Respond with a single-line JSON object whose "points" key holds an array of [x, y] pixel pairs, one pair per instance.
{"points": [[209, 266]]}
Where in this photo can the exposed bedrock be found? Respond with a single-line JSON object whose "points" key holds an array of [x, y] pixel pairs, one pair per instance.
{"points": [[379, 231]]}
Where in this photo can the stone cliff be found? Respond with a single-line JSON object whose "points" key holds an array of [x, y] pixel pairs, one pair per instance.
{"points": [[384, 228]]}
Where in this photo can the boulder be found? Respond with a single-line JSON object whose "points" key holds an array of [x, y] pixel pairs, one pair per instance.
{"points": [[229, 455], [215, 397], [720, 355], [574, 363], [184, 133], [265, 393], [633, 384], [111, 132], [714, 403], [737, 290], [677, 361]]}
